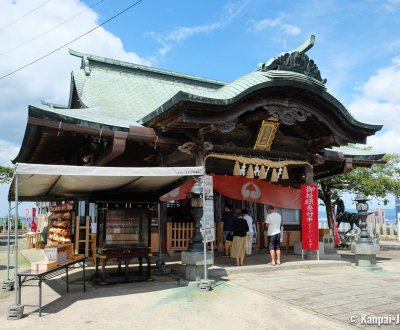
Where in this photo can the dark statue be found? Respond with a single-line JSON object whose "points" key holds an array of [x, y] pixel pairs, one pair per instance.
{"points": [[344, 216]]}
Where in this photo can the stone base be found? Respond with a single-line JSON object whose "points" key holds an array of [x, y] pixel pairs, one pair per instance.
{"points": [[194, 262], [365, 254], [325, 251]]}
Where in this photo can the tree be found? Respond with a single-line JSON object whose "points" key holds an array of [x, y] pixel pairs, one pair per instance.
{"points": [[6, 174], [5, 222], [377, 181]]}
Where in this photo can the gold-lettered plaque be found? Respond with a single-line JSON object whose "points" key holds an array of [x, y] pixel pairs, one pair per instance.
{"points": [[266, 135]]}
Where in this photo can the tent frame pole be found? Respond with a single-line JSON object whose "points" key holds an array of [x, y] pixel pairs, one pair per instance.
{"points": [[8, 239], [16, 284]]}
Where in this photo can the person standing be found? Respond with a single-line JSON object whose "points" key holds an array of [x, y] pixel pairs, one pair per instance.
{"points": [[273, 222], [240, 229], [228, 219], [249, 234]]}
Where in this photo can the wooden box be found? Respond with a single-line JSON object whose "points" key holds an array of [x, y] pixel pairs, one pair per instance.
{"points": [[43, 265], [78, 256], [58, 252]]}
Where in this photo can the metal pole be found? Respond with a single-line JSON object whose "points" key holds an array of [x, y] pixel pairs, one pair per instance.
{"points": [[160, 263], [8, 239], [204, 230], [17, 288]]}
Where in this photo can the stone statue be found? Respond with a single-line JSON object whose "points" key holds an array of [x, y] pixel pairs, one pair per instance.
{"points": [[344, 216]]}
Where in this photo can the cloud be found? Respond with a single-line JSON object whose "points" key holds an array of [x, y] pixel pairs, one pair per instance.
{"points": [[178, 35], [270, 23], [48, 79], [8, 151], [392, 5], [379, 103]]}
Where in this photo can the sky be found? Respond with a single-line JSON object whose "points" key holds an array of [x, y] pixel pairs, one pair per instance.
{"points": [[357, 50]]}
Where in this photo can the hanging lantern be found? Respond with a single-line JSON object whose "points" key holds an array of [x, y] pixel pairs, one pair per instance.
{"points": [[285, 174], [263, 174], [236, 169], [250, 172], [274, 176]]}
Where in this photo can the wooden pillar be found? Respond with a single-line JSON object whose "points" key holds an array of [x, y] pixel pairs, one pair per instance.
{"points": [[309, 174]]}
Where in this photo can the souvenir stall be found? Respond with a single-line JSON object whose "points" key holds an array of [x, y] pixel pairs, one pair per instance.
{"points": [[37, 182]]}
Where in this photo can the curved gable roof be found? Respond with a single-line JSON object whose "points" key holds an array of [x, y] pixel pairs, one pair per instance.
{"points": [[131, 94]]}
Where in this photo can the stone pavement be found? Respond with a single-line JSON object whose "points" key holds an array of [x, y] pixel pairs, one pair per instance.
{"points": [[296, 295], [338, 294]]}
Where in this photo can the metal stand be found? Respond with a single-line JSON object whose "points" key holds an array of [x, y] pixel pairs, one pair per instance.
{"points": [[160, 264], [8, 284]]}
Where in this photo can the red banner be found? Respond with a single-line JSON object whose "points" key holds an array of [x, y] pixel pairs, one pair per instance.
{"points": [[260, 191], [178, 193], [309, 216], [242, 188], [34, 228]]}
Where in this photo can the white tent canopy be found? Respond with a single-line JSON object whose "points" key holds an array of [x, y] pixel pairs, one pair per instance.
{"points": [[54, 182]]}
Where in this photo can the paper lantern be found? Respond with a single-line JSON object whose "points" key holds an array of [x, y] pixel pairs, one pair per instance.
{"points": [[274, 176], [236, 169], [250, 172]]}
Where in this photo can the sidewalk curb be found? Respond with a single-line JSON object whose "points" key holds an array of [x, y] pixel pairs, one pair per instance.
{"points": [[223, 272]]}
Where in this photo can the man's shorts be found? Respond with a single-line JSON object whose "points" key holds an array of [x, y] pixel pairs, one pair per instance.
{"points": [[274, 242]]}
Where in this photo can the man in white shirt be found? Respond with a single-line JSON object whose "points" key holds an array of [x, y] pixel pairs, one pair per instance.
{"points": [[249, 234], [273, 222]]}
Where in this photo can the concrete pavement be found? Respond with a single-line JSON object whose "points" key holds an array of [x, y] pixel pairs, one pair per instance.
{"points": [[297, 294]]}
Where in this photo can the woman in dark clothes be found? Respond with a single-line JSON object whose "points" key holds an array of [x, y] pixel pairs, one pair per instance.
{"points": [[240, 228]]}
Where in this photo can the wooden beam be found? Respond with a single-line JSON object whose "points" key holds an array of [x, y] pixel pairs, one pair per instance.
{"points": [[323, 142], [176, 157]]}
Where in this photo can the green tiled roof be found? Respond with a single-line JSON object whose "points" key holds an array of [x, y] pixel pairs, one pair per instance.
{"points": [[358, 153], [125, 94]]}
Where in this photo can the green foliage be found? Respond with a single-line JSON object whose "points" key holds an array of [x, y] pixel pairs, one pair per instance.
{"points": [[5, 223], [6, 174], [377, 181]]}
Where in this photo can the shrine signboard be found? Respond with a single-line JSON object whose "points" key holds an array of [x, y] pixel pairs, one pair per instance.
{"points": [[309, 216], [208, 218]]}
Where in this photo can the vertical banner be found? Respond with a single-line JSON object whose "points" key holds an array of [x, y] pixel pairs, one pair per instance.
{"points": [[34, 228], [28, 224], [335, 227], [309, 216], [208, 208]]}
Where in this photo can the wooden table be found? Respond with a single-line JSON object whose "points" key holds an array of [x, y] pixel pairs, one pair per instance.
{"points": [[287, 251], [41, 276], [125, 255]]}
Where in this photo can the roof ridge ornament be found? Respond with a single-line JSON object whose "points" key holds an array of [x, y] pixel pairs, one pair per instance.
{"points": [[85, 65], [296, 61]]}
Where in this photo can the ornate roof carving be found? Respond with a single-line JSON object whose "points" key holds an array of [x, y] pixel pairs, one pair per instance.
{"points": [[288, 115], [296, 61]]}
